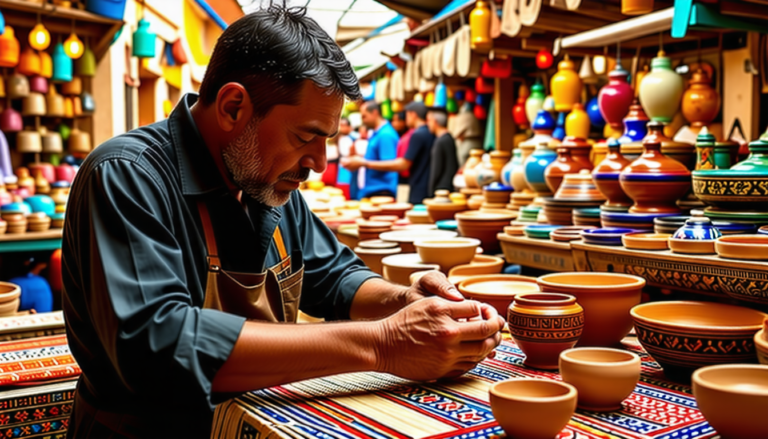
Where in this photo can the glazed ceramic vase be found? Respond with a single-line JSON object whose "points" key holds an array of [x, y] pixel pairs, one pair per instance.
{"points": [[661, 90], [577, 122], [480, 27], [535, 167], [470, 174], [517, 176], [565, 86], [535, 102], [606, 176], [615, 98], [509, 168], [518, 110], [655, 182], [701, 102], [491, 172], [634, 124], [543, 125], [559, 131], [566, 163], [543, 325]]}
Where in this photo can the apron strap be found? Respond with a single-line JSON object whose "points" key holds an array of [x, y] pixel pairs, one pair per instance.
{"points": [[278, 238]]}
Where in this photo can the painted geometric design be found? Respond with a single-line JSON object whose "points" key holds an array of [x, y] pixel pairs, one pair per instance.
{"points": [[544, 329], [37, 412], [36, 359], [372, 406], [741, 189]]}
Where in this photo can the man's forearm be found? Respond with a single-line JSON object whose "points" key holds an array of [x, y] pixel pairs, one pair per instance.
{"points": [[377, 298], [397, 165]]}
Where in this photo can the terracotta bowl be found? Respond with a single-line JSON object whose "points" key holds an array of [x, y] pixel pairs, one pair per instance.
{"points": [[570, 233], [447, 253], [372, 257], [347, 234], [418, 217], [497, 290], [484, 226], [9, 308], [397, 209], [606, 299], [761, 344], [406, 238], [646, 241], [444, 211], [9, 292], [691, 246], [752, 247], [532, 408], [604, 377], [481, 264], [398, 268], [734, 399], [682, 336]]}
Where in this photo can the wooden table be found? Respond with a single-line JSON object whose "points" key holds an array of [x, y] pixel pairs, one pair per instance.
{"points": [[703, 274], [31, 241], [542, 254]]}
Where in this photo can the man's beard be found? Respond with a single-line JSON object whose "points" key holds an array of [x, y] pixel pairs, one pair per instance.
{"points": [[245, 164]]}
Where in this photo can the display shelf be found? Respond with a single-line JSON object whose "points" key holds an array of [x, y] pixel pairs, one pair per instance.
{"points": [[542, 254], [31, 241]]}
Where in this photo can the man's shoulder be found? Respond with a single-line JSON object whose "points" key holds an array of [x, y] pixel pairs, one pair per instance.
{"points": [[137, 146]]}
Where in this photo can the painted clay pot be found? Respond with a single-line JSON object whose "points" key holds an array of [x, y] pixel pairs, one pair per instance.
{"points": [[565, 86], [701, 102], [661, 90], [606, 176], [543, 325], [532, 408], [497, 290], [593, 111], [604, 377], [606, 298], [634, 124], [615, 98], [577, 122], [705, 150], [470, 173], [535, 102], [579, 190], [566, 163], [654, 181]]}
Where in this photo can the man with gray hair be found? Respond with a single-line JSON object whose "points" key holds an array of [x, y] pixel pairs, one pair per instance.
{"points": [[443, 164]]}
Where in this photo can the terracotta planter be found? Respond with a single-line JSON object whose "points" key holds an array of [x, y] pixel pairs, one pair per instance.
{"points": [[701, 102], [543, 325], [532, 408], [604, 377], [606, 298]]}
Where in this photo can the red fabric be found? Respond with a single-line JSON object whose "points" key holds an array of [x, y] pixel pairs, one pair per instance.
{"points": [[402, 148], [330, 176]]}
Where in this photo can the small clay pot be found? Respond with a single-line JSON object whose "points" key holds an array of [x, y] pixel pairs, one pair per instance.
{"points": [[566, 163], [532, 408], [543, 325], [604, 377]]}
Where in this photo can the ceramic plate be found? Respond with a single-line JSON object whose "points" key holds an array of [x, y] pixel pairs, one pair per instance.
{"points": [[645, 241], [539, 231]]}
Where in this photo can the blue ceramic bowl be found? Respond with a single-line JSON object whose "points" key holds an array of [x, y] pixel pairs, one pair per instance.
{"points": [[448, 225], [605, 236], [41, 203], [626, 217], [20, 207], [497, 187], [698, 229], [589, 212]]}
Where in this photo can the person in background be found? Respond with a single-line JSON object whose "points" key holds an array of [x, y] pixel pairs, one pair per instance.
{"points": [[467, 133], [344, 141], [398, 123], [443, 163], [416, 159], [382, 146]]}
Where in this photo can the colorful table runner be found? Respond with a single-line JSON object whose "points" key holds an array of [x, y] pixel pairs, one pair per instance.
{"points": [[36, 359], [37, 412], [371, 405]]}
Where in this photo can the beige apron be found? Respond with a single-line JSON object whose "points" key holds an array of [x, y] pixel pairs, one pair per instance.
{"points": [[271, 296]]}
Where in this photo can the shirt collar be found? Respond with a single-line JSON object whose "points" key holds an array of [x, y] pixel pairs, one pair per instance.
{"points": [[199, 174]]}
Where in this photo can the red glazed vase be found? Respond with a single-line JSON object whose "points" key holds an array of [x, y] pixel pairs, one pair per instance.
{"points": [[567, 162], [606, 176], [615, 98], [543, 325]]}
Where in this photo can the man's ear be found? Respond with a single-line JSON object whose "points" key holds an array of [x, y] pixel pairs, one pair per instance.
{"points": [[233, 107]]}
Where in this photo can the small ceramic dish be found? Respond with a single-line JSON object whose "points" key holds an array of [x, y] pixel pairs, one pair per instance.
{"points": [[761, 343], [447, 253], [539, 231], [449, 224], [646, 241], [377, 244], [604, 236], [515, 230], [604, 377], [532, 408], [692, 246], [497, 290], [569, 233], [733, 399], [751, 247]]}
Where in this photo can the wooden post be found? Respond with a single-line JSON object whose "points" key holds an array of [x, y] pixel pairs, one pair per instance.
{"points": [[504, 96]]}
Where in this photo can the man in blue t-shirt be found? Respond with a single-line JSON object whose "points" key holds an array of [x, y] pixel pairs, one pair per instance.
{"points": [[416, 158], [382, 146]]}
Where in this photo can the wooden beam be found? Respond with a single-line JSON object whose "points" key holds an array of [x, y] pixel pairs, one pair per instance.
{"points": [[753, 11], [504, 95]]}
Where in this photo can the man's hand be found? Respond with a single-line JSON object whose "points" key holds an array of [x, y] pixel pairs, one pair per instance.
{"points": [[353, 163], [431, 339], [433, 283]]}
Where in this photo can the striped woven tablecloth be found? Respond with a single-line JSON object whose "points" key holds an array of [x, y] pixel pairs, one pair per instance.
{"points": [[371, 405]]}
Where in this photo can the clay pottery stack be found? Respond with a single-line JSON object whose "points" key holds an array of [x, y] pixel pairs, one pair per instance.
{"points": [[733, 399], [685, 335], [17, 222], [655, 182], [379, 200], [444, 207], [57, 220], [397, 209], [528, 214], [604, 377], [9, 299], [566, 163], [399, 267], [646, 241], [406, 238], [447, 253], [606, 298], [588, 216], [475, 202], [374, 251], [497, 290], [484, 225], [532, 408], [606, 176], [543, 325], [368, 230], [576, 191], [368, 210], [480, 265], [761, 343], [38, 222], [637, 221]]}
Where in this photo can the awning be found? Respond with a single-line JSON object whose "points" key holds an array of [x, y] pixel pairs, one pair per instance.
{"points": [[416, 9]]}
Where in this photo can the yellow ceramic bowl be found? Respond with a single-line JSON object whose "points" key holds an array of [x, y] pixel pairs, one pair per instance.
{"points": [[692, 246], [646, 241], [398, 268], [532, 408]]}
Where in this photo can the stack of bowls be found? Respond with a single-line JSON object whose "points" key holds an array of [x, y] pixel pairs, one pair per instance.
{"points": [[670, 224], [406, 238], [587, 216], [372, 252], [576, 191], [38, 222], [9, 299], [17, 222], [367, 229], [444, 207], [3, 227], [605, 236], [496, 196], [418, 215], [529, 214], [485, 225], [368, 210], [625, 220], [519, 200], [57, 221]]}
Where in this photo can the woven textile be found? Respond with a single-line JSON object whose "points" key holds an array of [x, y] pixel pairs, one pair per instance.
{"points": [[37, 412], [36, 359], [31, 325], [368, 405]]}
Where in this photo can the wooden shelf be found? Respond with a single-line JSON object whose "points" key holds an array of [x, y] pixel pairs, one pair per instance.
{"points": [[542, 254], [31, 241]]}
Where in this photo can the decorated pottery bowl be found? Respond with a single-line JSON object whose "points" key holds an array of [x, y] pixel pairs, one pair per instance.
{"points": [[755, 218], [481, 264], [751, 247], [604, 377], [399, 267], [606, 299], [639, 221], [733, 399], [497, 290], [581, 187], [692, 246], [697, 229], [743, 186], [447, 253], [532, 408], [761, 343], [685, 335], [605, 236]]}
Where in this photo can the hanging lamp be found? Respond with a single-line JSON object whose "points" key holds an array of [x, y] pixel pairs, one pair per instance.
{"points": [[9, 48], [86, 64], [73, 47], [480, 26], [144, 41], [39, 37], [62, 64]]}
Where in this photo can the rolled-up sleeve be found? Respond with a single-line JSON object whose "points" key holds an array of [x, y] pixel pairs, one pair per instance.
{"points": [[154, 331], [332, 272]]}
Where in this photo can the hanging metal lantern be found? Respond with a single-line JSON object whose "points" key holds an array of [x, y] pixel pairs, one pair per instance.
{"points": [[9, 48], [86, 64], [62, 64], [144, 41], [46, 65]]}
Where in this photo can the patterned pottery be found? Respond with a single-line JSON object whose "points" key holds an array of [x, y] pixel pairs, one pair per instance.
{"points": [[606, 176], [447, 253], [532, 408], [604, 377], [742, 216], [701, 102], [646, 241], [567, 234], [733, 399], [565, 85], [543, 325], [566, 163], [685, 335], [470, 171], [606, 299], [579, 187], [497, 290], [634, 124], [654, 181], [615, 98], [639, 221], [661, 90], [535, 102], [705, 150], [481, 264], [517, 174], [761, 344], [750, 247], [745, 185], [399, 267], [700, 229]]}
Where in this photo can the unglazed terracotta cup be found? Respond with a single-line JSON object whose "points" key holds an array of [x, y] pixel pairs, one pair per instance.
{"points": [[761, 343], [481, 264], [543, 325], [399, 267], [532, 408], [497, 290], [734, 399], [606, 299], [604, 377], [447, 253]]}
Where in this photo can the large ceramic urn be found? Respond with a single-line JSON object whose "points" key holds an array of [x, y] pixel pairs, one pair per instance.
{"points": [[654, 181], [606, 176], [615, 98], [661, 90], [535, 102], [701, 102], [567, 162], [470, 173], [577, 122], [565, 86], [634, 124]]}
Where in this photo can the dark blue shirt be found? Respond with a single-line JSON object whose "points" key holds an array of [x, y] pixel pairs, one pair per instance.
{"points": [[419, 154], [134, 268], [381, 146]]}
